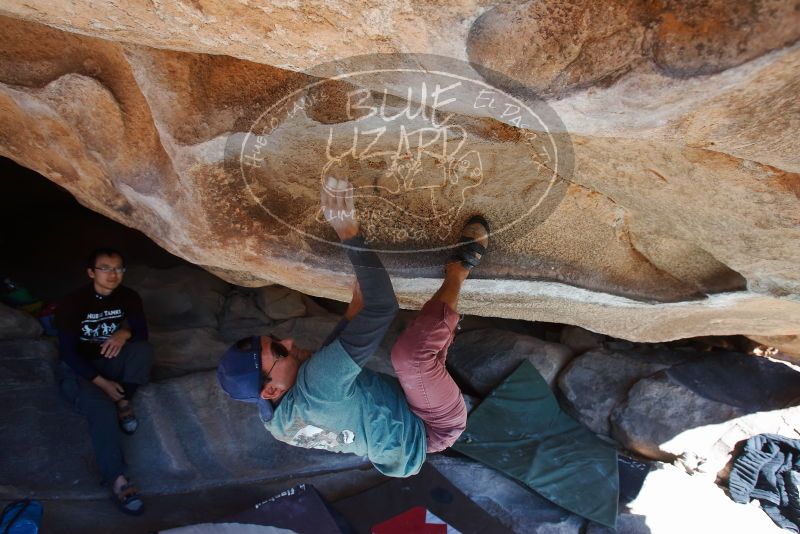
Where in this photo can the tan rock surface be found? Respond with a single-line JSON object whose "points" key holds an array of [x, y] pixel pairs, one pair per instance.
{"points": [[680, 215], [788, 347]]}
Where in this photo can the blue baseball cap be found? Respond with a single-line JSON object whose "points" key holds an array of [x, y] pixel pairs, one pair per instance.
{"points": [[239, 374]]}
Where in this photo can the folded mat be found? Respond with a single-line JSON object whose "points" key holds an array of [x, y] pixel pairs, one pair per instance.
{"points": [[521, 431], [298, 510], [429, 493], [632, 474]]}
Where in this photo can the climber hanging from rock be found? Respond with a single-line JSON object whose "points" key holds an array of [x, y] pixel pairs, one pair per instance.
{"points": [[326, 399]]}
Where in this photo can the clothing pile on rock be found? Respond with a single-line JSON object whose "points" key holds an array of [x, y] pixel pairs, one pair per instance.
{"points": [[768, 470]]}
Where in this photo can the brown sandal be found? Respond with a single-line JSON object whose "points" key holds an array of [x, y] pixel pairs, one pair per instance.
{"points": [[127, 419], [128, 500], [470, 252]]}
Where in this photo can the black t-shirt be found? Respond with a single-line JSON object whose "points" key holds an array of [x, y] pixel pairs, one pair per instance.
{"points": [[86, 319]]}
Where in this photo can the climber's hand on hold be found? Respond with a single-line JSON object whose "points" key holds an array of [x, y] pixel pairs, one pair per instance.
{"points": [[338, 207]]}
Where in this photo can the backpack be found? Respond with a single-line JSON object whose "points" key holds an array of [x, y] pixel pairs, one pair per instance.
{"points": [[21, 517]]}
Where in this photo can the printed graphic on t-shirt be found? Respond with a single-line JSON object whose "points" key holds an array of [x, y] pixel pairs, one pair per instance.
{"points": [[313, 437], [97, 327]]}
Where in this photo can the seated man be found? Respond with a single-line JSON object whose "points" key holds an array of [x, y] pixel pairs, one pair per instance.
{"points": [[327, 400], [105, 356]]}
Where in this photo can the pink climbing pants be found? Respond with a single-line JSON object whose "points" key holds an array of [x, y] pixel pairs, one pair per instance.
{"points": [[418, 358]]}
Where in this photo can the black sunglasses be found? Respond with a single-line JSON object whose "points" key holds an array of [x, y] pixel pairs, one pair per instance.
{"points": [[278, 352]]}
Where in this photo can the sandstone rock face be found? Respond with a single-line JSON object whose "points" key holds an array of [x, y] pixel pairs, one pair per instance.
{"points": [[482, 359], [697, 411], [36, 425], [788, 346], [683, 406], [281, 303], [580, 43], [180, 352], [580, 340], [26, 363], [241, 311], [598, 381], [656, 197], [191, 435], [16, 324], [181, 297], [309, 332]]}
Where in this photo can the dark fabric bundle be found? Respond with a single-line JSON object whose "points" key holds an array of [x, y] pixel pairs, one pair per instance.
{"points": [[768, 470]]}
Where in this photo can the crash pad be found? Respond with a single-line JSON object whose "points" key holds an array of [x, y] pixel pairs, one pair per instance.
{"points": [[632, 474], [298, 510], [520, 430], [426, 502]]}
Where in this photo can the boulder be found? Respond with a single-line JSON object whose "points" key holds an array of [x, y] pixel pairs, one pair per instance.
{"points": [[192, 436], [657, 410], [16, 324], [281, 303], [788, 347], [478, 322], [231, 334], [596, 382], [46, 449], [308, 332], [482, 359], [27, 363], [241, 312], [696, 412], [180, 352], [241, 304], [658, 113], [180, 297], [580, 340], [313, 307], [518, 508]]}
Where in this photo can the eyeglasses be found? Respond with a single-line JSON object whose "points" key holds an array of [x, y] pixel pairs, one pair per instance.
{"points": [[278, 352], [118, 270]]}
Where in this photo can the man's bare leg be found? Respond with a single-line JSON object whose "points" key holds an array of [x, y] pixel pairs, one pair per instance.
{"points": [[450, 289], [456, 273]]}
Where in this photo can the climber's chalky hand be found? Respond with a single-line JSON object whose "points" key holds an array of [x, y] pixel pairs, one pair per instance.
{"points": [[338, 207]]}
